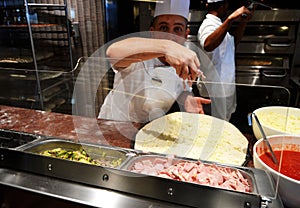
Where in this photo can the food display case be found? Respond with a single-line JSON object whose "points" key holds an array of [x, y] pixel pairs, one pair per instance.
{"points": [[74, 182]]}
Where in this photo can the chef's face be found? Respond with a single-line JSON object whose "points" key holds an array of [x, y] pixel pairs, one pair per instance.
{"points": [[171, 24]]}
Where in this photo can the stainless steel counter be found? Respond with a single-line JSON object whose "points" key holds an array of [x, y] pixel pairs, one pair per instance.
{"points": [[36, 181], [22, 189]]}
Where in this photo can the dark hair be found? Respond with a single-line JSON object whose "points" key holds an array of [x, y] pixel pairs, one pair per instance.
{"points": [[216, 5]]}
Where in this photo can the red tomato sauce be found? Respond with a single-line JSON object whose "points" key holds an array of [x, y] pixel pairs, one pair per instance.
{"points": [[290, 164]]}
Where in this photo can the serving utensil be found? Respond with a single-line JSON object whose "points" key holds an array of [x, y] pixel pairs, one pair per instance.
{"points": [[263, 135], [254, 3]]}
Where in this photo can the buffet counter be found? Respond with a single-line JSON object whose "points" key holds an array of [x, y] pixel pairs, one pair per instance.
{"points": [[39, 180], [78, 128]]}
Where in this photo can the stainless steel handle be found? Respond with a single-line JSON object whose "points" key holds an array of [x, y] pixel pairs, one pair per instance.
{"points": [[273, 75], [280, 44]]}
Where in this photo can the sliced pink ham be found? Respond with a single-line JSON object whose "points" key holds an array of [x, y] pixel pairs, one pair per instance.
{"points": [[194, 172]]}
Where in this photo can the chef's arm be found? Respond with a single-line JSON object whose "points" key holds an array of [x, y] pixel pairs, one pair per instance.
{"points": [[131, 50], [240, 29], [216, 38], [239, 32]]}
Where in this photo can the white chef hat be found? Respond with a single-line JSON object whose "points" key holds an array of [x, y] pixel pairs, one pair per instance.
{"points": [[173, 7], [213, 1]]}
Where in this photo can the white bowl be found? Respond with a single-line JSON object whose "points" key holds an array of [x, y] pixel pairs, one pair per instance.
{"points": [[277, 120], [288, 188]]}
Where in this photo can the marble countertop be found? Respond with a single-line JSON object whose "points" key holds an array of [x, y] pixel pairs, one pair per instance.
{"points": [[67, 126]]}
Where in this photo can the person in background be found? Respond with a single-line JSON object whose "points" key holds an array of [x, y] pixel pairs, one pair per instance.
{"points": [[219, 43], [151, 74]]}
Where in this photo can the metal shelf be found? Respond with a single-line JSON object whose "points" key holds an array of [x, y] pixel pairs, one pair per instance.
{"points": [[48, 32], [47, 6]]}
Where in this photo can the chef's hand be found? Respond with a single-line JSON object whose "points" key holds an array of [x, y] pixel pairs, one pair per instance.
{"points": [[184, 60], [242, 13], [195, 104]]}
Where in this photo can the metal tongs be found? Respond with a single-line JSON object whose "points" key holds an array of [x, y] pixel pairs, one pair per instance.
{"points": [[253, 3], [263, 135]]}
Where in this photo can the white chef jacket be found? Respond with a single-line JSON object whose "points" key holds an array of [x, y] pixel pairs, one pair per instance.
{"points": [[223, 58], [137, 97]]}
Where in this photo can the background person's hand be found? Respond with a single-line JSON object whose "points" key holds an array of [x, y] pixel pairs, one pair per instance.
{"points": [[242, 13]]}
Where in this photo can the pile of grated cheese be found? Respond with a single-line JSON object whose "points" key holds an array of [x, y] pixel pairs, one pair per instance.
{"points": [[195, 136], [286, 123]]}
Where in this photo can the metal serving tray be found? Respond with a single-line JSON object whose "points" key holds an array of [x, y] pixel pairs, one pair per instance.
{"points": [[119, 180], [106, 154], [259, 181], [246, 173], [13, 139]]}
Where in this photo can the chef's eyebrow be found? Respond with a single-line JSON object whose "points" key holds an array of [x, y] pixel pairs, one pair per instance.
{"points": [[155, 18], [177, 23]]}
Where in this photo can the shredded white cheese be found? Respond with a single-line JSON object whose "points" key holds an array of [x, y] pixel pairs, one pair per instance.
{"points": [[286, 123], [195, 136]]}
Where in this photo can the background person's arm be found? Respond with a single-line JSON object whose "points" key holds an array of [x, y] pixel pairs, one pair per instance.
{"points": [[216, 38]]}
